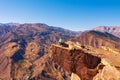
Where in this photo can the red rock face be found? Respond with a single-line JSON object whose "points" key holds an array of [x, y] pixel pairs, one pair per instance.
{"points": [[76, 61]]}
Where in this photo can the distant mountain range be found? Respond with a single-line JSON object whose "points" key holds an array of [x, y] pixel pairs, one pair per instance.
{"points": [[96, 39], [115, 30], [40, 33], [25, 49]]}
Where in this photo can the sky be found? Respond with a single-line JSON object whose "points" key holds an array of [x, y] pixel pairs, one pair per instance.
{"points": [[76, 15]]}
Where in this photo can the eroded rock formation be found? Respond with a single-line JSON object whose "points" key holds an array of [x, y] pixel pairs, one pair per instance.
{"points": [[76, 61], [87, 62]]}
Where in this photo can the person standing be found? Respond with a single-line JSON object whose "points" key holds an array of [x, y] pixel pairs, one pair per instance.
{"points": [[61, 41]]}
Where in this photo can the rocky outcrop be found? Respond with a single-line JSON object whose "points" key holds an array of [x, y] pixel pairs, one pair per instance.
{"points": [[75, 77], [76, 61], [11, 49], [87, 62], [108, 73]]}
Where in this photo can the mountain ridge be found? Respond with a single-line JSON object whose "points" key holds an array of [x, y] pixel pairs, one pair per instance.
{"points": [[115, 30], [27, 51], [96, 39]]}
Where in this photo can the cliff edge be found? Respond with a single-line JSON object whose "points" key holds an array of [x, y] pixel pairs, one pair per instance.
{"points": [[85, 61]]}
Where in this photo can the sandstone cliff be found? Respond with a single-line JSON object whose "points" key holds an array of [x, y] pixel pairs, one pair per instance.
{"points": [[87, 62], [76, 61]]}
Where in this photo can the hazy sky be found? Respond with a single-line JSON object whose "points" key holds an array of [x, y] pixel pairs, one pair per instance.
{"points": [[70, 14]]}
